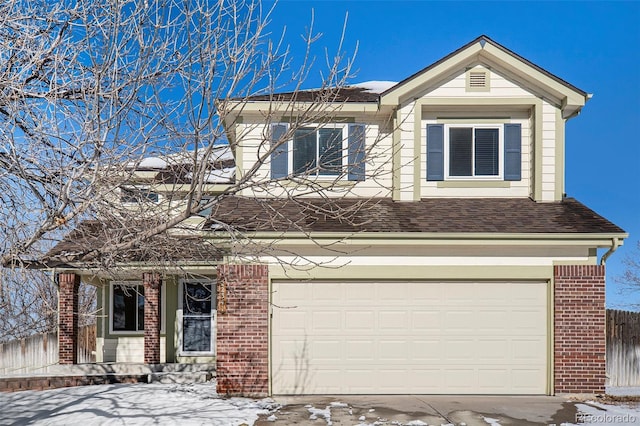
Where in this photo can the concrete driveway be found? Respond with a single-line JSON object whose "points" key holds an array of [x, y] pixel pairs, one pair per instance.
{"points": [[422, 410]]}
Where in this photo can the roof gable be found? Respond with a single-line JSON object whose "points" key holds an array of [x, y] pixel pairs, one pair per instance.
{"points": [[486, 52]]}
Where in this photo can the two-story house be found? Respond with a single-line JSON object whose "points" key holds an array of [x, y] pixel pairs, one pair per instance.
{"points": [[419, 242]]}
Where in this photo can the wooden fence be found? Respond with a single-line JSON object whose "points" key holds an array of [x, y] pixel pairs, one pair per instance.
{"points": [[34, 354], [623, 348]]}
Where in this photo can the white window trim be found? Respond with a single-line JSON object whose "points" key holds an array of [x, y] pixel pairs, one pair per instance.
{"points": [[179, 319], [345, 147], [499, 176], [163, 315]]}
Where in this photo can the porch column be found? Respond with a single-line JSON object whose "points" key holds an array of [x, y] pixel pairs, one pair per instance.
{"points": [[68, 285], [151, 282]]}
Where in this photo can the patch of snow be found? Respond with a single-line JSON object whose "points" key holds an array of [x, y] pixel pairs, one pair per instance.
{"points": [[323, 412], [216, 176], [595, 413], [152, 163], [371, 410], [375, 86], [362, 418], [492, 422], [416, 423], [272, 418], [132, 404], [339, 404]]}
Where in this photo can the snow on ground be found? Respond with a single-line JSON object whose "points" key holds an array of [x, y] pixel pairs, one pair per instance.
{"points": [[136, 404], [595, 413]]}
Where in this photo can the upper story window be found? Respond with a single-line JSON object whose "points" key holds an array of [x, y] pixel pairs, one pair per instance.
{"points": [[486, 152], [332, 150], [318, 151], [473, 151]]}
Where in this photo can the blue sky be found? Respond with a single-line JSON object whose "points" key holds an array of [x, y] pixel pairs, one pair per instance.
{"points": [[593, 45]]}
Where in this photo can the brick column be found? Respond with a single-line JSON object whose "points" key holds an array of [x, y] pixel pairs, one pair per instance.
{"points": [[152, 283], [242, 358], [68, 285], [579, 329]]}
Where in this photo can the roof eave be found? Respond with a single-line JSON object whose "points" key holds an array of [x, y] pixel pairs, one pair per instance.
{"points": [[600, 240]]}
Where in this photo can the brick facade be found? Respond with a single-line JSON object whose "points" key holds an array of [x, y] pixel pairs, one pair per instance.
{"points": [[152, 283], [68, 286], [243, 330], [579, 329]]}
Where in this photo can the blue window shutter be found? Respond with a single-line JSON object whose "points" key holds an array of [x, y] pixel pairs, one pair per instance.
{"points": [[357, 148], [279, 157], [512, 152], [435, 152]]}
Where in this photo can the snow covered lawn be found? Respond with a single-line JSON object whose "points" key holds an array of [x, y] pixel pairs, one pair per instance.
{"points": [[137, 404]]}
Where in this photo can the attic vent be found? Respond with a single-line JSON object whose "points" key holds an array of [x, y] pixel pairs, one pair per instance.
{"points": [[477, 80]]}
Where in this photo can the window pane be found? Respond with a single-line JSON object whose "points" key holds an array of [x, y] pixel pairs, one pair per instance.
{"points": [[460, 151], [486, 155], [124, 308], [196, 334], [140, 307], [304, 150], [197, 299], [330, 151]]}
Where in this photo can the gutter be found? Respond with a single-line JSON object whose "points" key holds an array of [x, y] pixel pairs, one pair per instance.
{"points": [[615, 243]]}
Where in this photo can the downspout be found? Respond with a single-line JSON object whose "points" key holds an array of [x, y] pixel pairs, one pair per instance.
{"points": [[615, 243]]}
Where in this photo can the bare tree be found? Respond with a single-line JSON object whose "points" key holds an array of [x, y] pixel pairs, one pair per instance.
{"points": [[630, 279], [29, 304], [104, 104]]}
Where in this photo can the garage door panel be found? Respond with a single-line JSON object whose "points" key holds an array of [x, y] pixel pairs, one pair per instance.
{"points": [[393, 320], [412, 337], [423, 351], [326, 320]]}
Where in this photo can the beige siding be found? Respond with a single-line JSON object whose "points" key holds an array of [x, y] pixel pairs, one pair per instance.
{"points": [[515, 189], [548, 152], [127, 349], [457, 255], [408, 156], [499, 87], [378, 183]]}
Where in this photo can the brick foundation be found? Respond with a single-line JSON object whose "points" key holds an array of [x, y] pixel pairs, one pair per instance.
{"points": [[68, 285], [152, 283], [579, 329], [243, 330]]}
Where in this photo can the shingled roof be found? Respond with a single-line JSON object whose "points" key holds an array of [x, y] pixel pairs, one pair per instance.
{"points": [[433, 215], [345, 94], [383, 215]]}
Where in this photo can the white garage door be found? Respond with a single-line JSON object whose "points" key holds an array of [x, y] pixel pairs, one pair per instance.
{"points": [[411, 337]]}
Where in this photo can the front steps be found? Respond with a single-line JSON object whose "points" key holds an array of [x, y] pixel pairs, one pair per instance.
{"points": [[104, 373]]}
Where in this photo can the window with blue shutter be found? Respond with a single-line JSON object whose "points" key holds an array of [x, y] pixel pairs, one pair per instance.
{"points": [[319, 151], [474, 152]]}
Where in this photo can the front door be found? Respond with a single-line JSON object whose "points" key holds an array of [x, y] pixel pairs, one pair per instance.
{"points": [[197, 318]]}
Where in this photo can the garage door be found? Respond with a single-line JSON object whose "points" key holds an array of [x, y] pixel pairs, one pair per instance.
{"points": [[410, 337]]}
